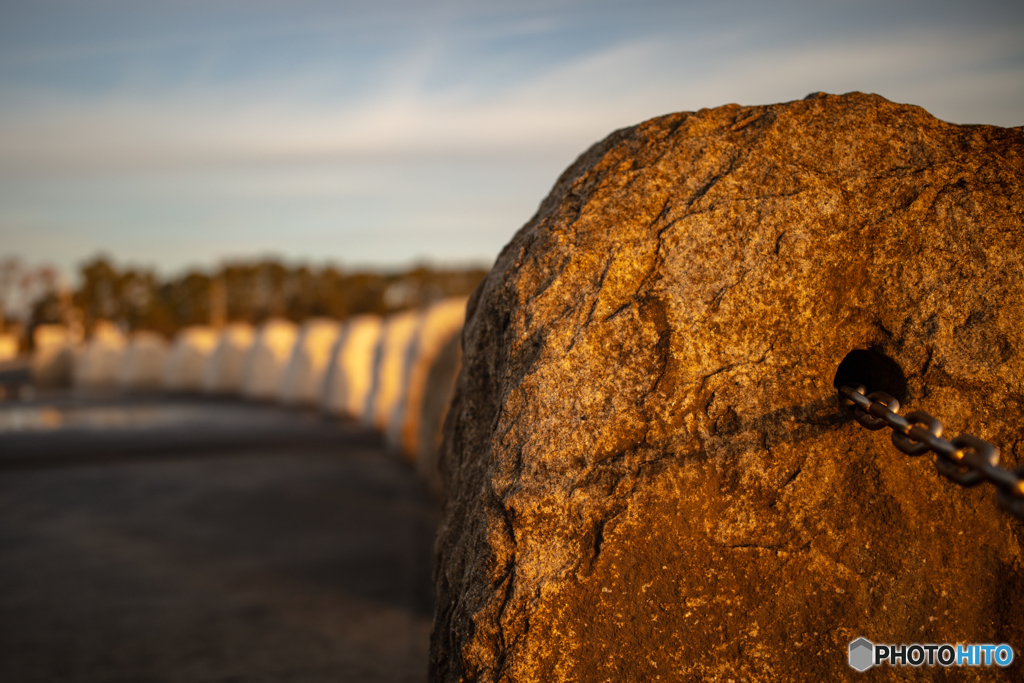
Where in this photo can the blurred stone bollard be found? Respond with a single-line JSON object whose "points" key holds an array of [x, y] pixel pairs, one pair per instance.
{"points": [[8, 347], [303, 377], [53, 356], [441, 322], [186, 361], [225, 369], [440, 384], [349, 375], [389, 363], [267, 359], [96, 366], [143, 361]]}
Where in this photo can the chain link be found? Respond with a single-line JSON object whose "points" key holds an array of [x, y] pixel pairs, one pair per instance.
{"points": [[966, 460]]}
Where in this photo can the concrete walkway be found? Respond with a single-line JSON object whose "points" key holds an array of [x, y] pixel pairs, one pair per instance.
{"points": [[168, 550]]}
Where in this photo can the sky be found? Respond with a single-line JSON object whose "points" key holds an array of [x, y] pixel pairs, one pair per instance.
{"points": [[179, 134]]}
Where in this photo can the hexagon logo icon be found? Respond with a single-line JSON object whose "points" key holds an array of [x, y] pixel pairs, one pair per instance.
{"points": [[862, 654]]}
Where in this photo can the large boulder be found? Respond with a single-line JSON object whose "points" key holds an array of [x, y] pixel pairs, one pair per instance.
{"points": [[647, 474]]}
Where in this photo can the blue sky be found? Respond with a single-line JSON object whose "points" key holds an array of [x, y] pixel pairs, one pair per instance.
{"points": [[181, 134]]}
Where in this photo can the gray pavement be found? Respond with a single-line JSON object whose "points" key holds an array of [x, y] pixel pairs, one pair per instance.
{"points": [[192, 540]]}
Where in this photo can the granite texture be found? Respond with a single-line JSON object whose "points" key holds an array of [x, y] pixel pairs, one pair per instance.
{"points": [[647, 476]]}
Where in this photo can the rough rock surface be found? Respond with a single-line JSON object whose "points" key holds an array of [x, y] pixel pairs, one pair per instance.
{"points": [[647, 475]]}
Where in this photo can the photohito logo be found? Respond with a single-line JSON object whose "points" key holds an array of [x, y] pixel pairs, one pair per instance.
{"points": [[864, 654]]}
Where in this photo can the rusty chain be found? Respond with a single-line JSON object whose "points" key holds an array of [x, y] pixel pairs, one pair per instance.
{"points": [[966, 460]]}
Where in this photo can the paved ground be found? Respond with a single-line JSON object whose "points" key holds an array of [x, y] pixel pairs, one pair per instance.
{"points": [[157, 540]]}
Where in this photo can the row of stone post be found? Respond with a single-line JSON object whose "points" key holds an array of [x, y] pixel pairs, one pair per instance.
{"points": [[393, 373]]}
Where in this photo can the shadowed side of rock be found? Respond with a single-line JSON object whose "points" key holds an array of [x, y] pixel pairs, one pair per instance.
{"points": [[646, 475]]}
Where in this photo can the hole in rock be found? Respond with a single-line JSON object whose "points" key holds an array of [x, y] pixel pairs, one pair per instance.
{"points": [[874, 370]]}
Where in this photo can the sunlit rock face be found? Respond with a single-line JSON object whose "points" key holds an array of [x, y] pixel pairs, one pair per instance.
{"points": [[54, 349], [391, 359], [186, 361], [646, 473], [97, 365], [143, 361], [441, 322], [349, 375], [267, 359], [225, 369], [303, 379]]}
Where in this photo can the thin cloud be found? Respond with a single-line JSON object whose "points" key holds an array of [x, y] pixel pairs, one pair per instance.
{"points": [[566, 108], [171, 130]]}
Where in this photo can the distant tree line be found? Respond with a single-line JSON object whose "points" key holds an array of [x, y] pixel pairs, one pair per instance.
{"points": [[243, 292]]}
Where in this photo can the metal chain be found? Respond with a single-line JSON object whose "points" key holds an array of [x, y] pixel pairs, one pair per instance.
{"points": [[966, 460]]}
